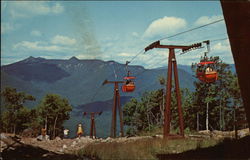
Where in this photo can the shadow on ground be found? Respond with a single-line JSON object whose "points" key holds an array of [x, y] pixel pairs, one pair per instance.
{"points": [[28, 152], [228, 149]]}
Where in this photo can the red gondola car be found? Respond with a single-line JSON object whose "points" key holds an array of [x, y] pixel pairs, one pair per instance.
{"points": [[129, 85], [206, 73]]}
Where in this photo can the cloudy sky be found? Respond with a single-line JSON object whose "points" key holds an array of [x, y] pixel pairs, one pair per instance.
{"points": [[109, 30]]}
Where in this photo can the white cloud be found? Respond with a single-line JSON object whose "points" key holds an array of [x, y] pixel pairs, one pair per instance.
{"points": [[3, 5], [26, 9], [63, 40], [154, 58], [221, 47], [9, 60], [164, 26], [205, 19], [135, 34], [191, 57], [36, 33], [125, 54], [57, 8], [85, 56], [6, 27], [37, 46], [108, 45], [88, 47]]}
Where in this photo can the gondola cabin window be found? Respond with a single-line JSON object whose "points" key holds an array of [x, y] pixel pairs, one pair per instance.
{"points": [[206, 72], [129, 85]]}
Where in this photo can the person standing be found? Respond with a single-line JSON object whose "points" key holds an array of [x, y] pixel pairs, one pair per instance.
{"points": [[43, 133], [79, 130], [66, 133]]}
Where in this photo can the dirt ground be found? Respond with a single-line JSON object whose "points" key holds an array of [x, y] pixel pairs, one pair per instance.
{"points": [[11, 145]]}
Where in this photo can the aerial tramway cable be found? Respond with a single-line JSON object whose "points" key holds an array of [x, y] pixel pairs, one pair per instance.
{"points": [[178, 53], [191, 29], [177, 34]]}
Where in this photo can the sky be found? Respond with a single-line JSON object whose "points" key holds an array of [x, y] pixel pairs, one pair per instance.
{"points": [[110, 30]]}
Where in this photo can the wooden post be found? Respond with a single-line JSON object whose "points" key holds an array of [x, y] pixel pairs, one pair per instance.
{"points": [[113, 126], [167, 114], [120, 113], [116, 104], [178, 94], [172, 61], [168, 96], [92, 123]]}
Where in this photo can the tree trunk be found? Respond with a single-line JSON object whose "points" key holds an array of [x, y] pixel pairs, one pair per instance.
{"points": [[162, 108], [148, 120], [46, 123], [153, 118], [14, 129], [234, 118], [197, 116], [54, 128], [148, 115], [158, 119], [220, 118], [207, 116], [223, 118]]}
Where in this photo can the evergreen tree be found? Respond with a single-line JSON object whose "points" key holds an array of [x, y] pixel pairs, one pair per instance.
{"points": [[14, 114], [144, 114], [213, 100], [148, 112], [209, 107], [53, 111]]}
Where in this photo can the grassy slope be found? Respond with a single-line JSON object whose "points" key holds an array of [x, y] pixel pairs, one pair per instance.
{"points": [[157, 148], [143, 149]]}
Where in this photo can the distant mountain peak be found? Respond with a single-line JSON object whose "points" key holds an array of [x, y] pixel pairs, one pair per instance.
{"points": [[73, 59], [32, 59]]}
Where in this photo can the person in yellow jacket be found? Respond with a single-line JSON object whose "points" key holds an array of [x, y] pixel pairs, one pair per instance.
{"points": [[79, 130]]}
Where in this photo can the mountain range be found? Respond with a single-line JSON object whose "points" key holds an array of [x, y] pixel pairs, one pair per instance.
{"points": [[80, 81]]}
